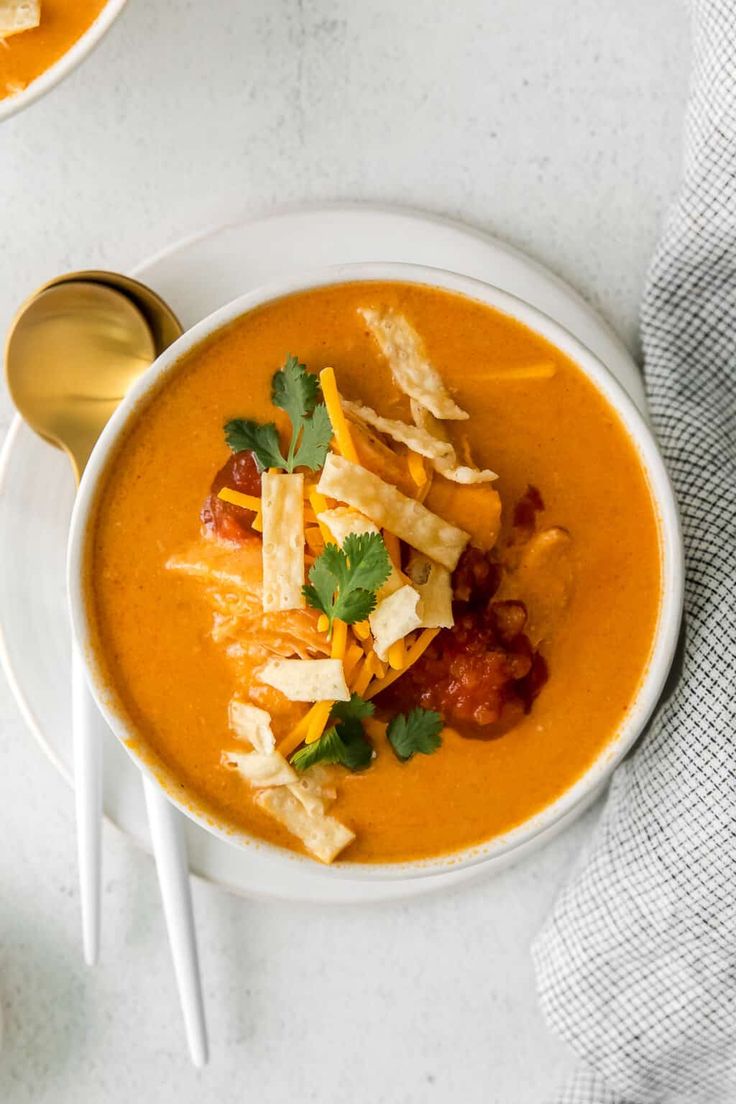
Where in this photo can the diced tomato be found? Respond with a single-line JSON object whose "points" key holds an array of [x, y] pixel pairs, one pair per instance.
{"points": [[483, 673], [227, 521]]}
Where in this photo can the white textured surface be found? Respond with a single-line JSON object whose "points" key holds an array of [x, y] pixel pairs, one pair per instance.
{"points": [[555, 125]]}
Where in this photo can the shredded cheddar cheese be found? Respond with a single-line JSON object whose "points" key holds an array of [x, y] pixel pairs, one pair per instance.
{"points": [[340, 427], [319, 505], [237, 498], [417, 469], [296, 736], [413, 653], [339, 640], [397, 656], [362, 630], [319, 717]]}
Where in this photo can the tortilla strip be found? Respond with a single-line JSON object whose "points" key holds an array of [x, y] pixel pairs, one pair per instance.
{"points": [[389, 509], [322, 835], [413, 374], [414, 437], [261, 770], [306, 680], [341, 522], [393, 618], [448, 465], [18, 15], [282, 506], [314, 789], [432, 581], [249, 722]]}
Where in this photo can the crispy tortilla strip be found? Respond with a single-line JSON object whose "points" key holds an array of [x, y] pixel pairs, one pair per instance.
{"points": [[252, 724], [393, 618], [432, 582], [282, 505], [322, 835], [341, 522], [18, 15], [306, 680], [448, 465], [259, 768], [389, 509], [413, 436], [413, 374], [315, 789]]}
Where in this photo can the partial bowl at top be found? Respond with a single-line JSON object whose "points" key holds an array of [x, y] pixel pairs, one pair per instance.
{"points": [[33, 61], [518, 499]]}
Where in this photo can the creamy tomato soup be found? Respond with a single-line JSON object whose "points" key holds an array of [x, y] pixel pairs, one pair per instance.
{"points": [[485, 670], [29, 53]]}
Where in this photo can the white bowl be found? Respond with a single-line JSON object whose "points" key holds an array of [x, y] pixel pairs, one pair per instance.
{"points": [[66, 63], [499, 850]]}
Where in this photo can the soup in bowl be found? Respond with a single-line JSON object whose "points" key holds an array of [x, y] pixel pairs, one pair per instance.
{"points": [[43, 40], [379, 568]]}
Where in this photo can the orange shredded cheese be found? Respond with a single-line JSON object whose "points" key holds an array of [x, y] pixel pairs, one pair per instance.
{"points": [[257, 522], [339, 640], [397, 656], [363, 676], [297, 734], [237, 498], [413, 653], [393, 547], [362, 630], [319, 717], [331, 395], [353, 654], [319, 504], [323, 623], [417, 469]]}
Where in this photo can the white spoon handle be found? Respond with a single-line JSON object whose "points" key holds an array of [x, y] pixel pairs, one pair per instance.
{"points": [[169, 848], [87, 733]]}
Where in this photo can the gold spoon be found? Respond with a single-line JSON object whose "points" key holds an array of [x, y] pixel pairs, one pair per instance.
{"points": [[74, 349]]}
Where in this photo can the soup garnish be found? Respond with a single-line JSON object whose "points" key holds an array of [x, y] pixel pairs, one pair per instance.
{"points": [[408, 634]]}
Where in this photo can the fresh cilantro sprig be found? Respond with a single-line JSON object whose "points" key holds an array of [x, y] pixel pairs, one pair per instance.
{"points": [[344, 742], [343, 581], [297, 392], [415, 731]]}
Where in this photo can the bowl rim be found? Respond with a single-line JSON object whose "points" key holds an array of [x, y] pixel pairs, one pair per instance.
{"points": [[671, 552], [66, 64]]}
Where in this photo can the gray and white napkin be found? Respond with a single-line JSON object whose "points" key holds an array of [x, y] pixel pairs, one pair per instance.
{"points": [[637, 966]]}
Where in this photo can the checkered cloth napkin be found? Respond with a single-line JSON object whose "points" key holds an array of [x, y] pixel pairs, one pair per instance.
{"points": [[637, 966]]}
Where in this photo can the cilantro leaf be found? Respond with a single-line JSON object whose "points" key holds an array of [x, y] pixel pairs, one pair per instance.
{"points": [[328, 749], [416, 731], [344, 743], [355, 709], [369, 561], [343, 581], [261, 440], [315, 439], [296, 391]]}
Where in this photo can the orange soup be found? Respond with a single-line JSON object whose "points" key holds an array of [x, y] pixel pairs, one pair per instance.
{"points": [[368, 425], [29, 53]]}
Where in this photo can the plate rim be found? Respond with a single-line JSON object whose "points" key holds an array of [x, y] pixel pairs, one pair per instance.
{"points": [[274, 214]]}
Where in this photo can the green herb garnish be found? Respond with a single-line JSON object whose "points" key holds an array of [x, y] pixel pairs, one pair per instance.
{"points": [[296, 391], [343, 581], [416, 731], [344, 742]]}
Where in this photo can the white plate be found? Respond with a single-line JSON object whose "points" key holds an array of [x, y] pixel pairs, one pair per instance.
{"points": [[36, 489]]}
